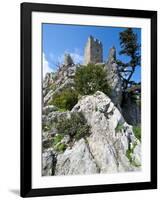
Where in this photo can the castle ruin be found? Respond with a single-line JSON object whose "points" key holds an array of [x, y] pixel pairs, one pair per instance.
{"points": [[93, 52]]}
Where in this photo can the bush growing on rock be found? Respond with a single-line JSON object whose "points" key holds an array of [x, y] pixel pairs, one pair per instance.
{"points": [[65, 100], [119, 127], [58, 145], [57, 139], [61, 147], [75, 126], [91, 78], [129, 153], [137, 132]]}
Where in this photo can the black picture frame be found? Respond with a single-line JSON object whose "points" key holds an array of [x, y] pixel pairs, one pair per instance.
{"points": [[26, 103]]}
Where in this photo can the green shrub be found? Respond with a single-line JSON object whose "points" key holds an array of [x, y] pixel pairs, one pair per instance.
{"points": [[137, 132], [129, 156], [57, 139], [75, 126], [57, 145], [62, 109], [61, 147], [119, 127], [65, 100], [130, 151], [82, 131], [91, 78]]}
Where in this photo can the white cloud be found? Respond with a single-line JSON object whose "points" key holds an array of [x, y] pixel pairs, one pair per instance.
{"points": [[46, 66], [76, 56], [55, 61]]}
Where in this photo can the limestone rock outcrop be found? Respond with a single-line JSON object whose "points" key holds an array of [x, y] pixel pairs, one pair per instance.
{"points": [[111, 146], [113, 77], [63, 78], [107, 144], [77, 160], [68, 60], [48, 164]]}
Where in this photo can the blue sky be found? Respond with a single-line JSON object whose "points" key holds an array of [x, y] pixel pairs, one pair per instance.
{"points": [[59, 39]]}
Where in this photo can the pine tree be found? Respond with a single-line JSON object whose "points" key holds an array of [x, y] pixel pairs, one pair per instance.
{"points": [[131, 48]]}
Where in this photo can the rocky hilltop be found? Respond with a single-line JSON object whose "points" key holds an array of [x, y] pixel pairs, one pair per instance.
{"points": [[96, 134]]}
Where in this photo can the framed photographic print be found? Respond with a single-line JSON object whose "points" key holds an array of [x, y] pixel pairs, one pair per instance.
{"points": [[88, 99]]}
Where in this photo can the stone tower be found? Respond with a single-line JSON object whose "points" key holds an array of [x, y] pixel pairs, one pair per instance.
{"points": [[93, 52]]}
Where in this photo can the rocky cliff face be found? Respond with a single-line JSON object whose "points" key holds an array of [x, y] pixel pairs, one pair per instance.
{"points": [[111, 146], [108, 145], [131, 111], [113, 77], [96, 136], [56, 82]]}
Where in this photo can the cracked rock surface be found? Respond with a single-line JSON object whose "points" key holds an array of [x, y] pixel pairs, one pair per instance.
{"points": [[105, 150]]}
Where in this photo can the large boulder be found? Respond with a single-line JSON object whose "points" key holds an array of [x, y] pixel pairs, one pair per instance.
{"points": [[77, 160], [110, 147], [111, 137]]}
